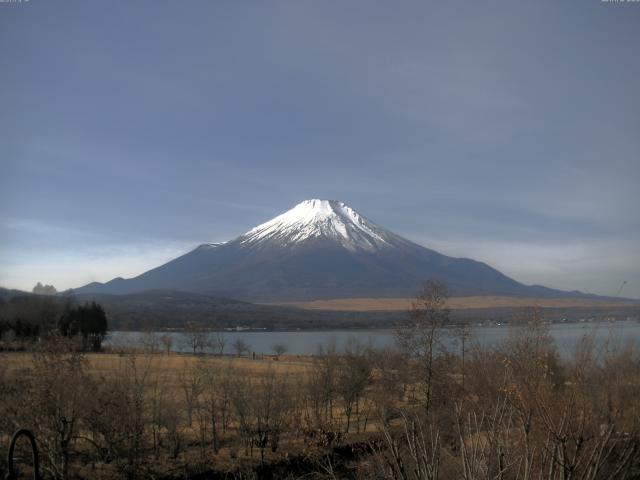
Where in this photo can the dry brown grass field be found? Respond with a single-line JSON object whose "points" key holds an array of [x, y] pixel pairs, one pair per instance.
{"points": [[455, 303], [170, 365], [195, 391]]}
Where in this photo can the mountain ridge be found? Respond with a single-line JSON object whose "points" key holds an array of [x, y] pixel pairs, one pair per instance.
{"points": [[320, 249]]}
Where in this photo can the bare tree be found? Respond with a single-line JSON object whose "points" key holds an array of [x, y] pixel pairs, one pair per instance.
{"points": [[319, 387], [279, 349], [462, 334], [240, 394], [134, 379], [354, 375], [240, 347], [261, 409], [419, 459], [420, 334], [167, 342], [118, 412], [272, 404], [150, 342], [158, 407], [173, 424], [392, 378], [195, 337], [214, 400], [218, 343], [191, 385]]}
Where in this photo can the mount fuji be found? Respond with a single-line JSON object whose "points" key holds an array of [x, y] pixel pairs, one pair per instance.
{"points": [[320, 249]]}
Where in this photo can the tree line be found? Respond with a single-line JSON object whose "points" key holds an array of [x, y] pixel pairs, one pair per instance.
{"points": [[25, 319]]}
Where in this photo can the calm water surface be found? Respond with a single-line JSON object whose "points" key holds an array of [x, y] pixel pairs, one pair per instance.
{"points": [[565, 335]]}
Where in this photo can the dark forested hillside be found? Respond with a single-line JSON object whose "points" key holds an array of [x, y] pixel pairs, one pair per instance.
{"points": [[174, 309]]}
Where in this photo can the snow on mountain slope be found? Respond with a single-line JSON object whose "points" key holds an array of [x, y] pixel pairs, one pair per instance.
{"points": [[315, 219], [211, 246]]}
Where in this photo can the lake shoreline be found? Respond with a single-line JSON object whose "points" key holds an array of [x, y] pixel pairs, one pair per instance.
{"points": [[479, 324], [304, 342]]}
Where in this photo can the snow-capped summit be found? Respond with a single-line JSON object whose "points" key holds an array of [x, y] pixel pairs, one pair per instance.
{"points": [[320, 219]]}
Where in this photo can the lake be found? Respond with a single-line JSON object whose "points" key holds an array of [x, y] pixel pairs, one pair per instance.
{"points": [[302, 342]]}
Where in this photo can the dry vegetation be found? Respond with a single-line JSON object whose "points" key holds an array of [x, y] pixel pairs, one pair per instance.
{"points": [[455, 303], [516, 411]]}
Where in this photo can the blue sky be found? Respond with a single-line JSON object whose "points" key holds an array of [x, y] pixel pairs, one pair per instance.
{"points": [[508, 132]]}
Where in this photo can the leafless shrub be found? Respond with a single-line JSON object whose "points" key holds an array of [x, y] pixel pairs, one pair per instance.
{"points": [[240, 347], [56, 402], [119, 415], [167, 342], [413, 453], [261, 410], [150, 342], [214, 402], [320, 388], [195, 338], [190, 381], [218, 343], [279, 349], [354, 376]]}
